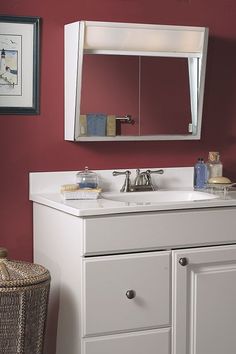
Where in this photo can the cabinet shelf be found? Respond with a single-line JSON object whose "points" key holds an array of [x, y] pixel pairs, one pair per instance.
{"points": [[143, 53], [135, 138]]}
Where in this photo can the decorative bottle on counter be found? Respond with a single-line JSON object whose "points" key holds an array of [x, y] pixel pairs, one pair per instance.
{"points": [[87, 179], [200, 174], [214, 165]]}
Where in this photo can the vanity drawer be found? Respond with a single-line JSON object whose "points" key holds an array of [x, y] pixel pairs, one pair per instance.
{"points": [[150, 342], [158, 230], [109, 307]]}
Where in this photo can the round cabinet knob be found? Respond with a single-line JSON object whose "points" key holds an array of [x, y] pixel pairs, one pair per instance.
{"points": [[130, 294], [183, 261]]}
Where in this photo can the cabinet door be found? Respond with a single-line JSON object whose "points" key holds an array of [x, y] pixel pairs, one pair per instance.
{"points": [[127, 292], [204, 301]]}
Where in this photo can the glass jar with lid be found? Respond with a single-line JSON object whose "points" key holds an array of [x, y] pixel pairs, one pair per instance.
{"points": [[214, 165], [87, 179]]}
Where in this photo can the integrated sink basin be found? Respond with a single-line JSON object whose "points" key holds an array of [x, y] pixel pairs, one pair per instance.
{"points": [[159, 196]]}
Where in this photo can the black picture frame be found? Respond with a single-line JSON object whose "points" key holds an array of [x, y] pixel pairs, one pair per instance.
{"points": [[19, 57]]}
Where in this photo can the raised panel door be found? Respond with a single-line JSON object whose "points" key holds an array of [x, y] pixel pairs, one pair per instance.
{"points": [[204, 301]]}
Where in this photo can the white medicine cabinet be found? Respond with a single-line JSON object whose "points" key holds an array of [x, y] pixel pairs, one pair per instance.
{"points": [[126, 81]]}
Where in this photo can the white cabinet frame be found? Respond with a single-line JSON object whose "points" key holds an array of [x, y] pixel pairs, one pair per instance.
{"points": [[90, 37]]}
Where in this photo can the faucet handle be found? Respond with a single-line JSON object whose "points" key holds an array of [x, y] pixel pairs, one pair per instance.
{"points": [[127, 184], [160, 172], [149, 173], [118, 173]]}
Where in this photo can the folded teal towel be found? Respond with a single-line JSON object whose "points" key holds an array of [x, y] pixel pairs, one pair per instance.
{"points": [[96, 124]]}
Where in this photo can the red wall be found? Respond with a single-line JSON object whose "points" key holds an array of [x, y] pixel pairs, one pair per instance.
{"points": [[35, 143]]}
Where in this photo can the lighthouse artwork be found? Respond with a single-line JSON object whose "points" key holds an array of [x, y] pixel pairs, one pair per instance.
{"points": [[19, 64], [10, 46]]}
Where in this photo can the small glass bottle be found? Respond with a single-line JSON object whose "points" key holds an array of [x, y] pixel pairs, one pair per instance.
{"points": [[200, 174], [214, 165]]}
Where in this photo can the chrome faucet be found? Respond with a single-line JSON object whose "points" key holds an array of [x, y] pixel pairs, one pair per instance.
{"points": [[142, 182]]}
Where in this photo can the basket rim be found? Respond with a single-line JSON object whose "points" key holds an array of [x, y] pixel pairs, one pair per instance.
{"points": [[20, 268]]}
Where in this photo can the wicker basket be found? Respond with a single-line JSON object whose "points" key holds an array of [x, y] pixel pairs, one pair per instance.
{"points": [[24, 290]]}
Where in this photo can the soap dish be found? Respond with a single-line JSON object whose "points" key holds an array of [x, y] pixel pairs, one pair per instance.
{"points": [[220, 187]]}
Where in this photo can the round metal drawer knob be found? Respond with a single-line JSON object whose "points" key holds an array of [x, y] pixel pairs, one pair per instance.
{"points": [[130, 294], [183, 261]]}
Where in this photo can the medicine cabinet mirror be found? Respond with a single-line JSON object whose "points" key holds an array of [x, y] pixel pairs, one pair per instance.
{"points": [[133, 81]]}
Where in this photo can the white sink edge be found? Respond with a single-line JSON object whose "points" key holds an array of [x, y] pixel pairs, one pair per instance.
{"points": [[160, 196]]}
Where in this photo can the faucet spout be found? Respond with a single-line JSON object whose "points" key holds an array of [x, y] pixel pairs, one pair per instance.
{"points": [[143, 180]]}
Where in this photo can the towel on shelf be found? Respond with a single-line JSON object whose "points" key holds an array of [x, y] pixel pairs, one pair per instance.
{"points": [[96, 124], [82, 125], [111, 125]]}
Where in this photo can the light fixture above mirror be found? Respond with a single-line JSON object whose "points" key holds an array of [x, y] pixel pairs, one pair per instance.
{"points": [[110, 39]]}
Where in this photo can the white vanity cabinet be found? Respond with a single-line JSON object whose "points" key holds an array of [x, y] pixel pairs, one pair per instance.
{"points": [[156, 282]]}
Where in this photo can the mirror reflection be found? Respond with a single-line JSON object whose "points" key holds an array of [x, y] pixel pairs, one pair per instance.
{"points": [[164, 96], [110, 85], [154, 91]]}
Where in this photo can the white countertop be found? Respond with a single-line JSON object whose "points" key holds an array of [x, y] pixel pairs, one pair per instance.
{"points": [[104, 206], [45, 187]]}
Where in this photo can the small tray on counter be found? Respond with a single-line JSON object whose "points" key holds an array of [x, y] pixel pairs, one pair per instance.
{"points": [[220, 187]]}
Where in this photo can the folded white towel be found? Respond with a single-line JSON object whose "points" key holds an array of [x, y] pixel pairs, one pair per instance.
{"points": [[81, 194]]}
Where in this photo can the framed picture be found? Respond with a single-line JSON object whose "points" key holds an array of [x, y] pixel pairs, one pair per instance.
{"points": [[19, 65]]}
